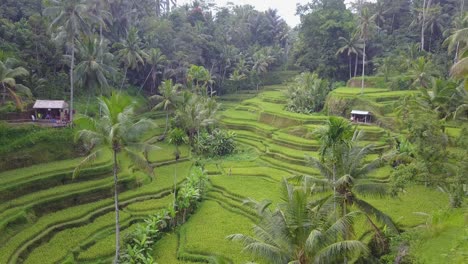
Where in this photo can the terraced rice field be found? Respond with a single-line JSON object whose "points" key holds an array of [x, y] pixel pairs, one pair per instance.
{"points": [[47, 217]]}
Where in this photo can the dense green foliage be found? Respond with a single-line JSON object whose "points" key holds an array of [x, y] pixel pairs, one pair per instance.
{"points": [[225, 89]]}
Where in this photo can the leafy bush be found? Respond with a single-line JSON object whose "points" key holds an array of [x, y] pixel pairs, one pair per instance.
{"points": [[217, 143], [307, 93]]}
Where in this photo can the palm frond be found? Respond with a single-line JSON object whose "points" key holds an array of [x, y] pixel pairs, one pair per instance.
{"points": [[87, 161], [379, 215]]}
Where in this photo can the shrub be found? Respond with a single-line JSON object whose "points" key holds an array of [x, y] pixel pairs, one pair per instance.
{"points": [[307, 93], [217, 143]]}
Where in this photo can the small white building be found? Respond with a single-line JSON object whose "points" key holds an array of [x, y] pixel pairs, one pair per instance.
{"points": [[360, 116]]}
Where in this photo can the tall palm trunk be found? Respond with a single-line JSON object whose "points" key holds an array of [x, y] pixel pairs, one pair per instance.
{"points": [[125, 77], [363, 66], [175, 184], [350, 70], [116, 206], [167, 122], [355, 64], [72, 66]]}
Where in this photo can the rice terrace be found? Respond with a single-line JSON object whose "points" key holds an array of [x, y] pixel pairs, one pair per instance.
{"points": [[323, 131]]}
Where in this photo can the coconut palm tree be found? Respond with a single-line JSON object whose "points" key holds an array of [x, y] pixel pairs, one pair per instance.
{"points": [[421, 71], [95, 66], [130, 52], [156, 60], [366, 21], [296, 232], [98, 14], [168, 99], [194, 113], [177, 137], [334, 138], [8, 75], [351, 171], [353, 45], [69, 19], [117, 129]]}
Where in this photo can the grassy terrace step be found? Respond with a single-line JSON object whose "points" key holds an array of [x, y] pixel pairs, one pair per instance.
{"points": [[257, 188], [75, 216], [296, 169], [49, 195], [50, 180], [231, 205], [38, 171], [165, 250], [207, 230], [56, 199], [57, 249]]}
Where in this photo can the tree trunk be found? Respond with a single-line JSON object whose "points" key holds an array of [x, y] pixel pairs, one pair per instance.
{"points": [[167, 122], [334, 189], [72, 66], [141, 87], [116, 206], [355, 64], [363, 67], [125, 77], [422, 24], [350, 70], [175, 185]]}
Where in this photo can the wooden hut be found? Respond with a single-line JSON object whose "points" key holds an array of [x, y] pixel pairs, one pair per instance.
{"points": [[359, 116], [54, 110]]}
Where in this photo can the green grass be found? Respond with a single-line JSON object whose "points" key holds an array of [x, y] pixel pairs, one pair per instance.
{"points": [[444, 242], [415, 199], [165, 250], [61, 245], [258, 188], [205, 233], [151, 205]]}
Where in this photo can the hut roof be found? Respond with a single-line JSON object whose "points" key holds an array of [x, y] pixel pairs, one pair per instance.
{"points": [[359, 112], [50, 104]]}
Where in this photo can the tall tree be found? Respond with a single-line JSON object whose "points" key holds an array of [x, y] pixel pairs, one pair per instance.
{"points": [[119, 130], [156, 60], [353, 45], [69, 20], [95, 66], [365, 23], [297, 233], [334, 138], [8, 75], [167, 99], [130, 52]]}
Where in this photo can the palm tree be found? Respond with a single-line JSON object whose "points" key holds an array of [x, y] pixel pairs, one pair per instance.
{"points": [[93, 70], [130, 52], [334, 138], [421, 72], [262, 60], [8, 75], [168, 99], [68, 18], [120, 131], [365, 23], [194, 113], [177, 138], [352, 171], [97, 11], [352, 45], [299, 233], [156, 60]]}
